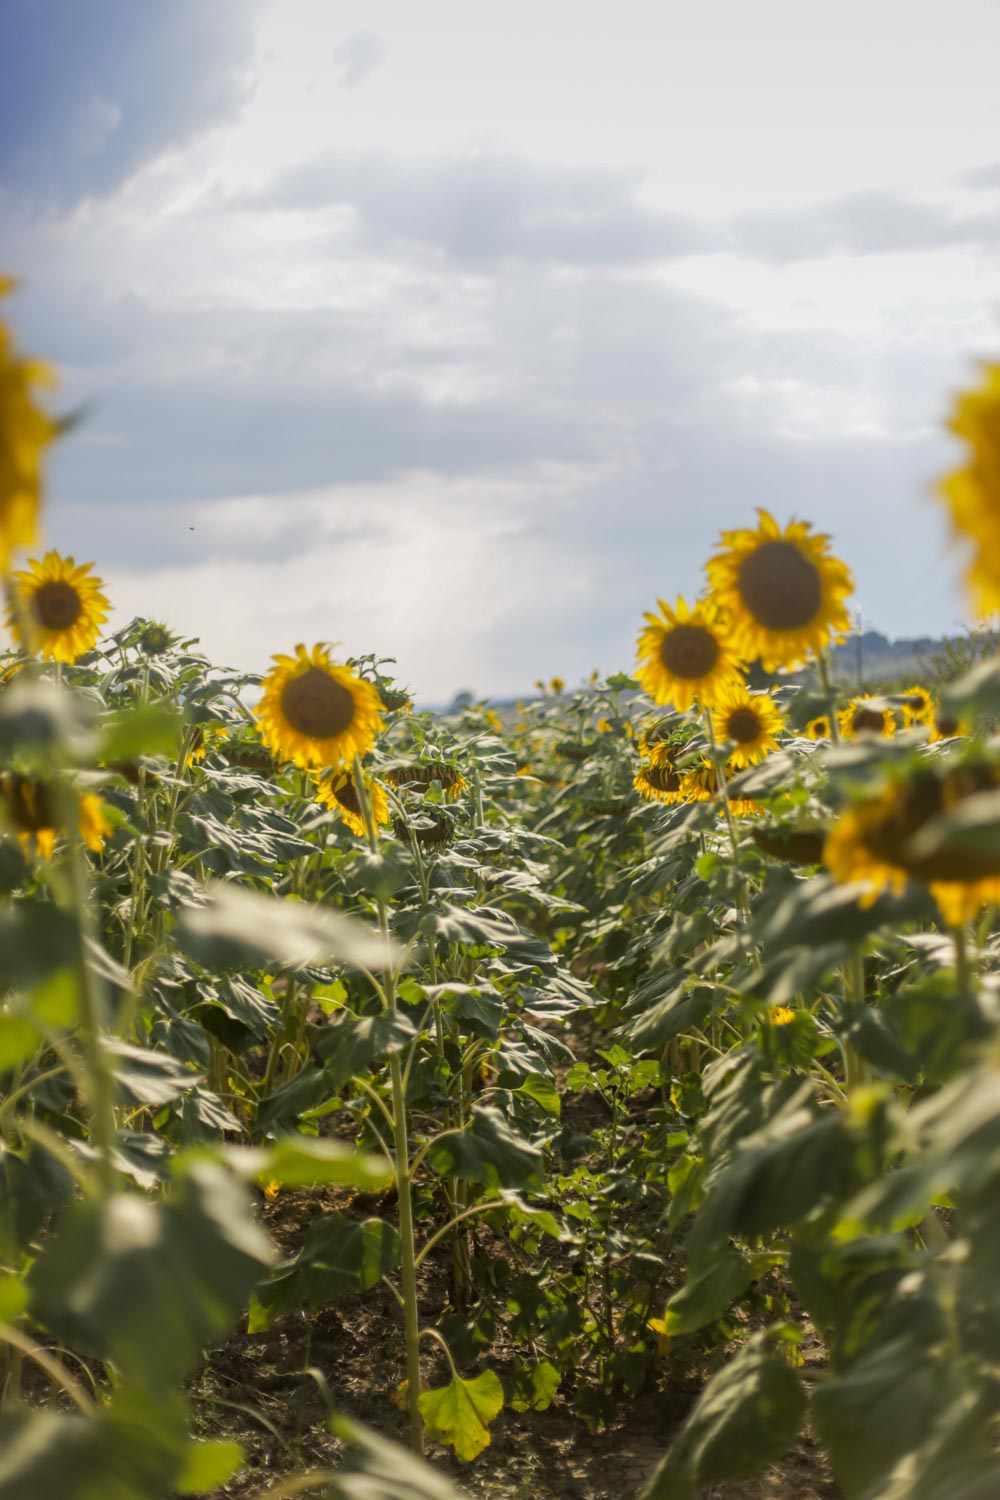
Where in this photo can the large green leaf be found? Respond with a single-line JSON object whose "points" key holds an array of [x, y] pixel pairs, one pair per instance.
{"points": [[240, 929], [459, 1414], [376, 1469], [488, 1151], [744, 1419]]}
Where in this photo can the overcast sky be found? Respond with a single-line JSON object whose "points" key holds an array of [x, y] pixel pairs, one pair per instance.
{"points": [[456, 331]]}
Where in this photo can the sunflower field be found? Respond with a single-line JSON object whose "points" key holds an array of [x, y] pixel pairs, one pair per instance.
{"points": [[638, 1049]]}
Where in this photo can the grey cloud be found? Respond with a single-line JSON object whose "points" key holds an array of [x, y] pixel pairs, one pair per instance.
{"points": [[485, 208], [358, 57], [985, 179]]}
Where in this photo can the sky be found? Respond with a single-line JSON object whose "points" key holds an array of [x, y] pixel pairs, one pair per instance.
{"points": [[457, 332]]}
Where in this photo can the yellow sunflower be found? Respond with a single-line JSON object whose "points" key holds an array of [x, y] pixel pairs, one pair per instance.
{"points": [[871, 844], [701, 783], [819, 728], [62, 606], [945, 726], [25, 432], [659, 780], [30, 808], [337, 791], [973, 492], [315, 713], [751, 721], [686, 654], [209, 737], [866, 715], [782, 591], [918, 707], [421, 774]]}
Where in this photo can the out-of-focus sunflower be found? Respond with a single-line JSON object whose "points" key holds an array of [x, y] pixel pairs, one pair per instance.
{"points": [[700, 783], [658, 779], [866, 715], [337, 791], [782, 591], [972, 493], [423, 773], [395, 700], [61, 605], [819, 728], [25, 433], [873, 843], [918, 706], [155, 639], [315, 713], [210, 736], [751, 721], [686, 654], [947, 726], [655, 732], [29, 807]]}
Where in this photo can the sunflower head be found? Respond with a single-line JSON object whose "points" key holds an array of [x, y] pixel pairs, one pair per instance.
{"points": [[422, 774], [782, 591], [60, 605], [315, 713], [658, 779], [866, 715], [207, 737], [818, 728], [155, 639], [750, 721], [686, 654], [25, 432], [30, 808], [336, 790], [700, 783], [972, 493], [394, 700], [918, 706]]}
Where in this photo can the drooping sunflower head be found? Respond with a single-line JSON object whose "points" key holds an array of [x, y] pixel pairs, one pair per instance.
{"points": [[30, 807], [750, 721], [918, 706], [972, 493], [658, 779], [700, 783], [394, 700], [655, 732], [25, 432], [818, 728], [782, 591], [206, 737], [686, 654], [866, 715], [315, 713], [422, 774], [60, 606], [336, 790]]}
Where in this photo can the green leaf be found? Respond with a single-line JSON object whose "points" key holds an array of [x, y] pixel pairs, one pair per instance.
{"points": [[487, 1151], [706, 1295], [342, 1255], [13, 1297], [146, 729], [349, 1044], [31, 1188], [535, 1384], [376, 1469], [744, 1419], [207, 1466], [308, 1161], [459, 1414], [239, 929]]}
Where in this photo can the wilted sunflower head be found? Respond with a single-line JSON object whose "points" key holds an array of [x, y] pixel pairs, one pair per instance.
{"points": [[750, 721], [315, 713], [395, 700], [972, 493], [336, 790], [686, 654], [25, 433], [60, 606], [782, 591], [866, 715], [422, 774], [658, 779]]}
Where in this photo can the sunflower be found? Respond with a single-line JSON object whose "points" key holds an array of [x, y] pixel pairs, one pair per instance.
{"points": [[30, 808], [315, 713], [25, 432], [336, 790], [783, 592], [946, 726], [655, 732], [209, 737], [686, 654], [872, 844], [751, 721], [155, 640], [819, 728], [918, 706], [973, 493], [780, 1015], [451, 780], [62, 606], [866, 715], [701, 783], [659, 780]]}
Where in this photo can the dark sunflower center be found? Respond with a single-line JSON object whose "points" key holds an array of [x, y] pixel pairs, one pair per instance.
{"points": [[663, 779], [689, 651], [780, 586], [57, 605], [870, 719], [916, 703], [743, 725], [946, 727], [317, 706], [347, 796], [29, 804]]}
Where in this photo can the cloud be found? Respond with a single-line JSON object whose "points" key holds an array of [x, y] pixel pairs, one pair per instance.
{"points": [[358, 57], [984, 179], [92, 89], [868, 223]]}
